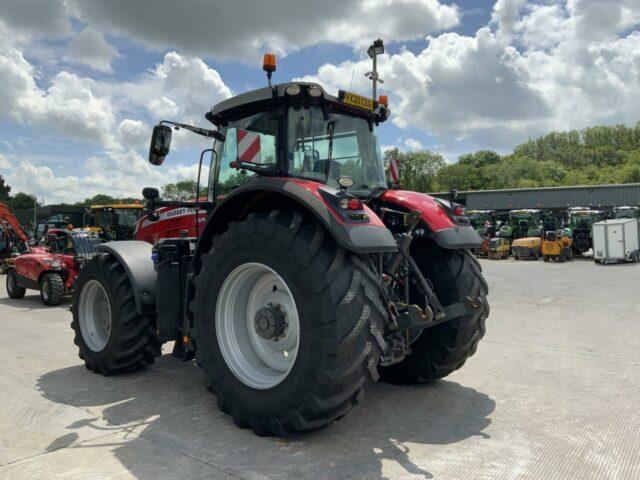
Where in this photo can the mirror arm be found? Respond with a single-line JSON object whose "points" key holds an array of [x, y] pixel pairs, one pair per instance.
{"points": [[200, 131]]}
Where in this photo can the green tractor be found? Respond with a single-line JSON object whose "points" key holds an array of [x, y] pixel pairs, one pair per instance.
{"points": [[522, 223], [483, 221], [581, 220]]}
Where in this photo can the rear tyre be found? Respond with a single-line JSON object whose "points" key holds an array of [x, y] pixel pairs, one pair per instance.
{"points": [[13, 289], [111, 336], [327, 296], [562, 256], [51, 289], [444, 348], [546, 258]]}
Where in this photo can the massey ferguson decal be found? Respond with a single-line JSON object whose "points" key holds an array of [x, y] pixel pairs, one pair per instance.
{"points": [[248, 146], [175, 213]]}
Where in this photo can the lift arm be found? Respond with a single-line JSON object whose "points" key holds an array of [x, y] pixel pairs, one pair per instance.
{"points": [[7, 218]]}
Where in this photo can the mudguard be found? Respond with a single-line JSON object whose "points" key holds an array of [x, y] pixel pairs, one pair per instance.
{"points": [[441, 224], [361, 236], [135, 257]]}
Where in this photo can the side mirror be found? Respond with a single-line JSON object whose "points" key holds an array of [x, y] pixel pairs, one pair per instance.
{"points": [[150, 193], [160, 142]]}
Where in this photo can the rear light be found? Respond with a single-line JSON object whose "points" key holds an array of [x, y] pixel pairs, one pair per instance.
{"points": [[355, 204], [458, 211], [350, 203]]}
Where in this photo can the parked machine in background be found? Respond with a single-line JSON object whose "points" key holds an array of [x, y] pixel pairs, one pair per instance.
{"points": [[113, 222], [13, 239], [626, 212], [498, 248], [556, 245], [581, 220], [484, 222], [522, 223], [616, 240], [51, 271], [526, 248]]}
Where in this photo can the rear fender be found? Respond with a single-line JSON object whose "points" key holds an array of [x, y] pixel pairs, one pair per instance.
{"points": [[446, 230], [263, 194], [135, 257]]}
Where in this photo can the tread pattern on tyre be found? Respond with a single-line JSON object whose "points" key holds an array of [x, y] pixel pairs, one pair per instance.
{"points": [[17, 292], [57, 289], [133, 343], [444, 348], [351, 325]]}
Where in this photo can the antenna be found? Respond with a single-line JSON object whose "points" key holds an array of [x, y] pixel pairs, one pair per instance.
{"points": [[353, 72], [375, 49]]}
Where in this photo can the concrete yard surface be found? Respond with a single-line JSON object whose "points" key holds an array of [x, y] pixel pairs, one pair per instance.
{"points": [[553, 392]]}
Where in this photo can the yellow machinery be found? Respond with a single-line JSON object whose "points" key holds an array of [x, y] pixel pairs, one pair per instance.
{"points": [[498, 248], [556, 245], [113, 222], [527, 247]]}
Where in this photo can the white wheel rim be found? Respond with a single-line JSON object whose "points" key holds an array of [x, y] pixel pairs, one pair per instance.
{"points": [[94, 314], [256, 361]]}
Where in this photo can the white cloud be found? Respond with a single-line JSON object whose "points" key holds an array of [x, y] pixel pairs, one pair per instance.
{"points": [[533, 73], [413, 144], [240, 29], [4, 163], [133, 133], [89, 47]]}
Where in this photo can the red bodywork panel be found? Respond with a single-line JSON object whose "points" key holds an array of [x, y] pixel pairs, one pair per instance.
{"points": [[432, 213], [174, 220], [171, 222]]}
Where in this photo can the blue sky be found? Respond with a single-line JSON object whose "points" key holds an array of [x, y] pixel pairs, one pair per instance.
{"points": [[82, 82]]}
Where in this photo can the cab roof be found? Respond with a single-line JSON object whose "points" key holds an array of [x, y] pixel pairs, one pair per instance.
{"points": [[246, 103]]}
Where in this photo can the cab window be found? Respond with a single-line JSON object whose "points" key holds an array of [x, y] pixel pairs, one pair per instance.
{"points": [[250, 139]]}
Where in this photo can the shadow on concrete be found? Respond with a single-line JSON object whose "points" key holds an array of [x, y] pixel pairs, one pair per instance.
{"points": [[32, 302], [166, 404]]}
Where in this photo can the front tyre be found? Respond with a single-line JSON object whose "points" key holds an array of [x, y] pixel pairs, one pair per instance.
{"points": [[51, 289], [111, 336], [287, 324], [444, 348], [14, 290]]}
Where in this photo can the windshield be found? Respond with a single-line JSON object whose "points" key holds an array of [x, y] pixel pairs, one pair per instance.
{"points": [[128, 217], [626, 213], [324, 148], [84, 245], [582, 220]]}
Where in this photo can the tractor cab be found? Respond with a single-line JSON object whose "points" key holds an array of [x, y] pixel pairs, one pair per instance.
{"points": [[522, 223], [626, 212], [113, 222]]}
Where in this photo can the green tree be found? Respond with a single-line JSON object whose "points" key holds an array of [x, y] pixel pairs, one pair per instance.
{"points": [[21, 201], [183, 190], [418, 169], [5, 190]]}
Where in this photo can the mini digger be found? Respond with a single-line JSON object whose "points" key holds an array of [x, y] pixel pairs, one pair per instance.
{"points": [[556, 243]]}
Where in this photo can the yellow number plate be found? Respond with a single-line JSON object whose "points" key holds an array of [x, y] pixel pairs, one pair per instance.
{"points": [[358, 101]]}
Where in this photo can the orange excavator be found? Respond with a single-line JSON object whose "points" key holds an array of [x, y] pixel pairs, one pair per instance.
{"points": [[13, 239]]}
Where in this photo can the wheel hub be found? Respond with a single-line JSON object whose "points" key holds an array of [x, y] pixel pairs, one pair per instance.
{"points": [[270, 322]]}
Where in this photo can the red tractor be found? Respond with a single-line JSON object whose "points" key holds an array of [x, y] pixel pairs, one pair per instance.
{"points": [[310, 277], [52, 269]]}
